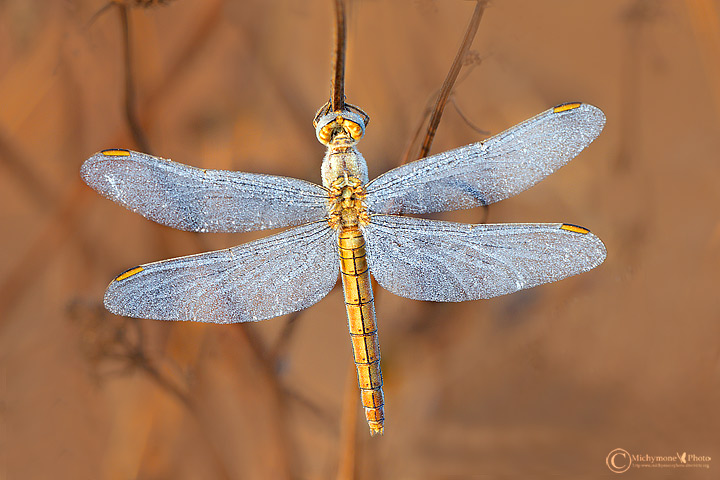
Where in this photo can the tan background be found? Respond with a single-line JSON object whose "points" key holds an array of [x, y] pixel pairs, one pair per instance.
{"points": [[543, 383]]}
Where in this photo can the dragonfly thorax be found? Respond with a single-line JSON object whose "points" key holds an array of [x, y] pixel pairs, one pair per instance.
{"points": [[346, 203], [340, 131], [341, 162]]}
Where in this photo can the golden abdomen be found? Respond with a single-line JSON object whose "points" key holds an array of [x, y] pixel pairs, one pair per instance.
{"points": [[361, 323]]}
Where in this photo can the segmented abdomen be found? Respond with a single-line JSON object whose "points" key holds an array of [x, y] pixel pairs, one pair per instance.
{"points": [[361, 322]]}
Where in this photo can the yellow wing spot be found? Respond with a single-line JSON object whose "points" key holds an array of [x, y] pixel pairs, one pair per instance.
{"points": [[574, 228], [566, 106], [129, 273], [116, 152]]}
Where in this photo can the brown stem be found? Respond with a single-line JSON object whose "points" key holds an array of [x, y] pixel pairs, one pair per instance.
{"points": [[337, 100], [451, 78]]}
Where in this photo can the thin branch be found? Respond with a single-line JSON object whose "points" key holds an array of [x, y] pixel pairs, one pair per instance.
{"points": [[130, 112], [276, 356], [452, 77], [466, 119], [337, 99]]}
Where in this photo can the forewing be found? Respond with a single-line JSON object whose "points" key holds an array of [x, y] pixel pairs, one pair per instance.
{"points": [[489, 171], [199, 200], [258, 280], [454, 262]]}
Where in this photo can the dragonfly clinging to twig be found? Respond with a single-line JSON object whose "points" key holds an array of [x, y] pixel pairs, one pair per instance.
{"points": [[351, 227]]}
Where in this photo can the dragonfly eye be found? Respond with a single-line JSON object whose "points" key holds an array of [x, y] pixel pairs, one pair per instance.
{"points": [[346, 123], [355, 130]]}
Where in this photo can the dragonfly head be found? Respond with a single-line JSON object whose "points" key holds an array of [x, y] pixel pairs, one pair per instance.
{"points": [[343, 128]]}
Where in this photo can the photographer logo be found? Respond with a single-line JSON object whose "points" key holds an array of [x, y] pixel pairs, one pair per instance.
{"points": [[620, 460]]}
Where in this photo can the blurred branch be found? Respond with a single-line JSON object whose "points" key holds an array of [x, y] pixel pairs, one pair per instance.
{"points": [[67, 212], [279, 351], [466, 119], [347, 463], [64, 220], [637, 16], [130, 112], [19, 169], [119, 340], [705, 21], [450, 81], [131, 116], [285, 460]]}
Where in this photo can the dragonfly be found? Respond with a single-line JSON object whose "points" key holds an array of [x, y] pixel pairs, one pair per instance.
{"points": [[350, 227]]}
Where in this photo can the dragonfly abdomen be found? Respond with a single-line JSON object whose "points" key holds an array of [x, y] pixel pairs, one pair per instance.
{"points": [[362, 325]]}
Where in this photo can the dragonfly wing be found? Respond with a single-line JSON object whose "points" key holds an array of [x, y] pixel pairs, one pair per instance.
{"points": [[488, 171], [198, 200], [454, 262], [262, 279]]}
